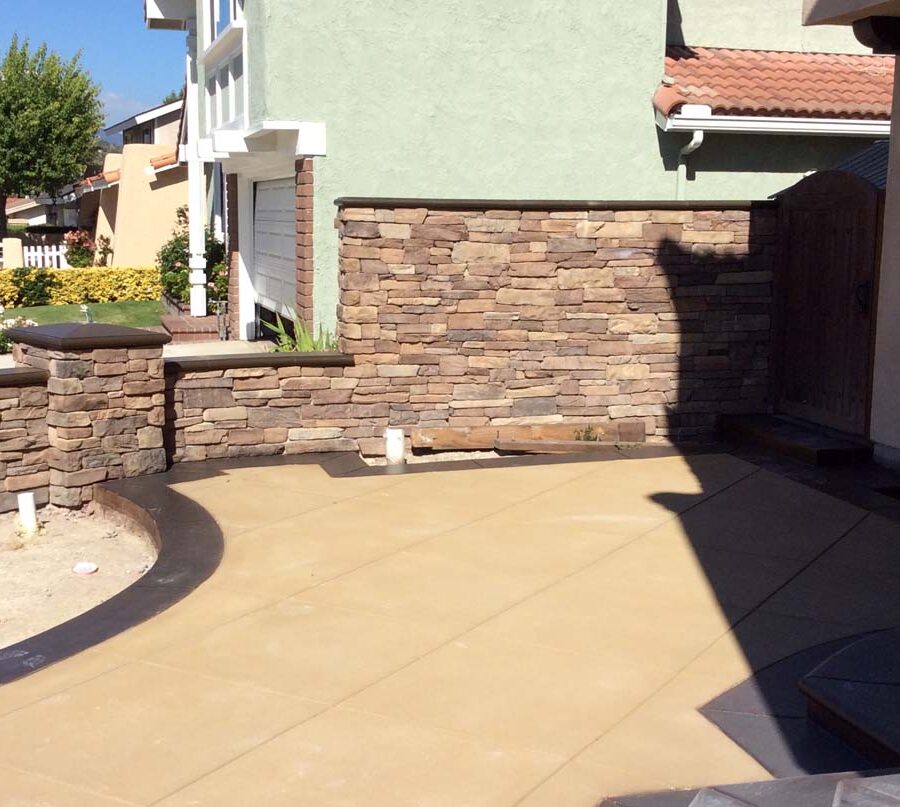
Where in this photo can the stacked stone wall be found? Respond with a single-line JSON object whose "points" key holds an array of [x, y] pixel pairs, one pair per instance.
{"points": [[23, 439], [104, 416], [653, 319]]}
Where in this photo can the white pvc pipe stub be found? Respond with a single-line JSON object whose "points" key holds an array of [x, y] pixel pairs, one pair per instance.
{"points": [[395, 446], [27, 513]]}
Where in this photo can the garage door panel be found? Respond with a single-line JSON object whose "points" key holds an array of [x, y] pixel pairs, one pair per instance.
{"points": [[275, 245]]}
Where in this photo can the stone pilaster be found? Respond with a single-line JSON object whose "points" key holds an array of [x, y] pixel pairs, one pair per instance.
{"points": [[105, 408]]}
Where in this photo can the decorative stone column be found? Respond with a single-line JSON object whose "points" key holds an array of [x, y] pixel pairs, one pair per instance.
{"points": [[106, 391]]}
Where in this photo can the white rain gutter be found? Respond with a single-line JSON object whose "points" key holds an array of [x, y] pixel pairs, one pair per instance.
{"points": [[687, 119]]}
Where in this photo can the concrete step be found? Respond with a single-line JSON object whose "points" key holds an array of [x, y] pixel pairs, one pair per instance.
{"points": [[801, 441], [823, 790], [710, 797], [879, 792], [855, 694]]}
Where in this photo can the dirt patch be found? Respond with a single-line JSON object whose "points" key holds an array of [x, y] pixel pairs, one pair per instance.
{"points": [[38, 588]]}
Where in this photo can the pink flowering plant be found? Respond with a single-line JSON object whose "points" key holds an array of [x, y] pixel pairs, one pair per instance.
{"points": [[80, 248], [174, 257]]}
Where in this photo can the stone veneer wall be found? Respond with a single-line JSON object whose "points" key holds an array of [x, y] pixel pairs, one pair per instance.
{"points": [[23, 436], [104, 415], [230, 411], [653, 316]]}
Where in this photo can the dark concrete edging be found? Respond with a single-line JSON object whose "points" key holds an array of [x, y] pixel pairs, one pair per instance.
{"points": [[237, 361], [552, 204], [23, 377], [190, 547]]}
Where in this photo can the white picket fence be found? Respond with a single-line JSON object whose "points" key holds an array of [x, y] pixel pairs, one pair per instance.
{"points": [[46, 257]]}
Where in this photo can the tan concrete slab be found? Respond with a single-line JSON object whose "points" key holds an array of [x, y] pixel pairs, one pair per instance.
{"points": [[57, 678], [510, 541], [768, 514], [21, 789], [142, 731], [205, 608], [347, 759], [551, 701], [685, 748], [515, 636], [239, 505], [451, 594], [321, 652], [618, 618]]}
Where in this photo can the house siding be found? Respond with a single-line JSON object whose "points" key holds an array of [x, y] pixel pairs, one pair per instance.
{"points": [[523, 100]]}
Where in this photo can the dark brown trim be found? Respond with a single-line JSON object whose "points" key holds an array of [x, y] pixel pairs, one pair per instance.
{"points": [[236, 361], [67, 336], [23, 377], [540, 205]]}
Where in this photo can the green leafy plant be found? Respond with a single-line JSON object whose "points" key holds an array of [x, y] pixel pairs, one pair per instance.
{"points": [[299, 339], [80, 249], [34, 286], [173, 260], [103, 252]]}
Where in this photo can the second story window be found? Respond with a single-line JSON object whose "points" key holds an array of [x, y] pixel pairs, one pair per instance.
{"points": [[221, 14]]}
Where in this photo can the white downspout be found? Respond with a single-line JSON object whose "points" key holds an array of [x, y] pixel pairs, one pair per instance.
{"points": [[196, 184], [690, 148]]}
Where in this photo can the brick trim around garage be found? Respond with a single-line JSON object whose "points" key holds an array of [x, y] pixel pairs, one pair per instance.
{"points": [[305, 264]]}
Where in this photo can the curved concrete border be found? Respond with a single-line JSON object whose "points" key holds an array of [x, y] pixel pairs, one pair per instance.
{"points": [[190, 546]]}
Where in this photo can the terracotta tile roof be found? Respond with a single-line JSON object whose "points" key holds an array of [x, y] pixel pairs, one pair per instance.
{"points": [[165, 160], [778, 83]]}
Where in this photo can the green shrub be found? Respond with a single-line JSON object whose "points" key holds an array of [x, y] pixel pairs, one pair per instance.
{"points": [[173, 261], [34, 286], [24, 288]]}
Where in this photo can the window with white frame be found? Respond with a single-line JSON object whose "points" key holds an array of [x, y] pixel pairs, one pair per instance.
{"points": [[221, 14], [225, 103]]}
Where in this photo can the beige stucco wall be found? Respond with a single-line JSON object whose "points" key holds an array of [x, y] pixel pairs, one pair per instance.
{"points": [[886, 388], [146, 205], [166, 131]]}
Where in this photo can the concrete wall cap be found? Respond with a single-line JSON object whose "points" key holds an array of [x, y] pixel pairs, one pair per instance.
{"points": [[86, 336]]}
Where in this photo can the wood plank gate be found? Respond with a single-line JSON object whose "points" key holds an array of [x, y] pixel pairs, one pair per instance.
{"points": [[826, 290]]}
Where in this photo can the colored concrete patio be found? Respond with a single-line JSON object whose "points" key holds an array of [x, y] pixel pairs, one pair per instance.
{"points": [[537, 634]]}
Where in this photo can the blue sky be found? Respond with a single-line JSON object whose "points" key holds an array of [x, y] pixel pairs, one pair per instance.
{"points": [[135, 67]]}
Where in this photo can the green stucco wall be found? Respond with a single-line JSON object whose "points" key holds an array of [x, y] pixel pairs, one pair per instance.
{"points": [[756, 24], [495, 99]]}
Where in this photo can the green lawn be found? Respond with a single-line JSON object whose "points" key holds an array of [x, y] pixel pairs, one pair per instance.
{"points": [[136, 315]]}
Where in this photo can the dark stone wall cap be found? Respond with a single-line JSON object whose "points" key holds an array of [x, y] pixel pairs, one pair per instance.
{"points": [[557, 204], [86, 336], [23, 377], [237, 361]]}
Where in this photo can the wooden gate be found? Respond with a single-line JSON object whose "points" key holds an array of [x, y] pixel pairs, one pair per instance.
{"points": [[826, 290]]}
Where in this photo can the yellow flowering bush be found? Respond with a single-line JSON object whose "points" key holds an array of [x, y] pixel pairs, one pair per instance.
{"points": [[90, 285]]}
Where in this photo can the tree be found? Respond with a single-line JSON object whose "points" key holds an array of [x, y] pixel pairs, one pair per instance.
{"points": [[50, 114], [175, 95]]}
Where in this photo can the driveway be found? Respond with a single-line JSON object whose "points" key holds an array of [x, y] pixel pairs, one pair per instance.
{"points": [[534, 636]]}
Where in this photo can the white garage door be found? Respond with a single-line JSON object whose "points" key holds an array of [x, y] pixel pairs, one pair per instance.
{"points": [[275, 245]]}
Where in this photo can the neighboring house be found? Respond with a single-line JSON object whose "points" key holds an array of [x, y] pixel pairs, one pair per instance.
{"points": [[133, 201], [300, 103], [877, 25], [30, 212], [159, 125]]}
